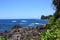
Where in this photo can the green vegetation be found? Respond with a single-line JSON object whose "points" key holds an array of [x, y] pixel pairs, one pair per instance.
{"points": [[53, 33], [46, 17], [3, 38]]}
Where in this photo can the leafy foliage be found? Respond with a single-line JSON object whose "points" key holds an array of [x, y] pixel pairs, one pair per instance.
{"points": [[3, 38], [57, 5], [54, 32], [46, 17]]}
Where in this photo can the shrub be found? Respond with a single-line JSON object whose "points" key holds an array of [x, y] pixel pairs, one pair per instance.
{"points": [[54, 32], [3, 38]]}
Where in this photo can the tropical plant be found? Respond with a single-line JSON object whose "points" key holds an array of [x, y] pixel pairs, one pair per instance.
{"points": [[3, 38], [53, 33]]}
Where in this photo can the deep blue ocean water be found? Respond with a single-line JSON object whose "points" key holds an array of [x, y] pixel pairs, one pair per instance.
{"points": [[7, 24]]}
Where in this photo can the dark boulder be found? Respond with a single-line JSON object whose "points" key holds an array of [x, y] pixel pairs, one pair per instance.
{"points": [[16, 27]]}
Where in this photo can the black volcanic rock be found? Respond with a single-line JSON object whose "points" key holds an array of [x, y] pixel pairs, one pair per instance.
{"points": [[16, 27], [20, 33]]}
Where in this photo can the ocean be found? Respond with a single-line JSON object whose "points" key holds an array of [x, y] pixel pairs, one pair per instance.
{"points": [[7, 24]]}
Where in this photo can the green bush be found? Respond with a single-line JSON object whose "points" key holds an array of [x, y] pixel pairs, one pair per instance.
{"points": [[54, 32], [3, 38]]}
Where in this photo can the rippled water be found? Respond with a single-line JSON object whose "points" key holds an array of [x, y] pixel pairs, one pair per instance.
{"points": [[6, 24]]}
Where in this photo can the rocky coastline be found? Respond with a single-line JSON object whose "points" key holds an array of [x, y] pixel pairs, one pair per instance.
{"points": [[19, 33]]}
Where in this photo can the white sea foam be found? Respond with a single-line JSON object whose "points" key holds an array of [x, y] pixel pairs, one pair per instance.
{"points": [[14, 21], [23, 21], [32, 24], [37, 23]]}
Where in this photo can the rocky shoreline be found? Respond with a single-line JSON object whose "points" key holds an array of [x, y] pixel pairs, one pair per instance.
{"points": [[19, 33]]}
